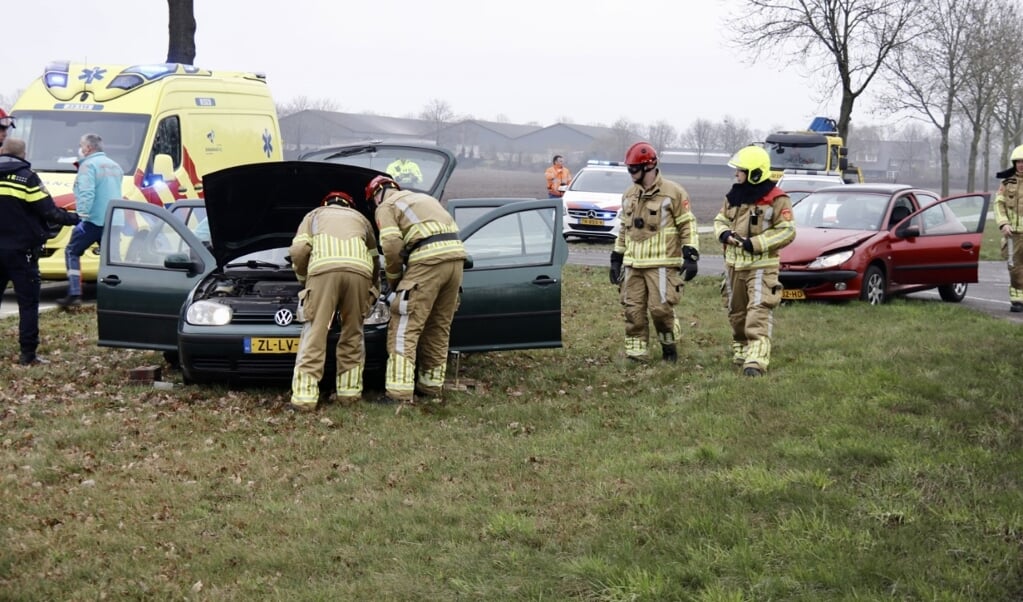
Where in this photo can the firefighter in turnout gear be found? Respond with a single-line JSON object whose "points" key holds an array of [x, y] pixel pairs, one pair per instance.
{"points": [[1009, 216], [755, 222], [334, 253], [423, 262], [657, 249]]}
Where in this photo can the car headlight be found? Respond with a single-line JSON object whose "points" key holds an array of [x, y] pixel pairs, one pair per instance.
{"points": [[208, 313], [380, 314], [830, 261]]}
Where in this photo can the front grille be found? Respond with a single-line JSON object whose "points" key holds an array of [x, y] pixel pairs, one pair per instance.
{"points": [[604, 214]]}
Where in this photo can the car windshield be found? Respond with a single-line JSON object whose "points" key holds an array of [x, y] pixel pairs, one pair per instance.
{"points": [[414, 169], [798, 156], [606, 181], [52, 137], [841, 210]]}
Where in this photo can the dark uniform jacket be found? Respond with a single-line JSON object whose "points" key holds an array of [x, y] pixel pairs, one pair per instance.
{"points": [[26, 209]]}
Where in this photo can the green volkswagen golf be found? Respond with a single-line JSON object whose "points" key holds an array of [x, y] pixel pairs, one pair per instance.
{"points": [[209, 282]]}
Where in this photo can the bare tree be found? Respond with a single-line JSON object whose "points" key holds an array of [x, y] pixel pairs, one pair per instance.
{"points": [[848, 40], [732, 134], [662, 135], [1008, 108], [304, 103], [928, 73], [699, 136], [987, 37], [181, 32], [439, 113]]}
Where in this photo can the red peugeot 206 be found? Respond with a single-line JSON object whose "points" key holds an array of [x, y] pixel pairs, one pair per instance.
{"points": [[873, 241]]}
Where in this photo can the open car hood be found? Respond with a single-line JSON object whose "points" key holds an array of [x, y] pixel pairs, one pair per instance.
{"points": [[259, 206]]}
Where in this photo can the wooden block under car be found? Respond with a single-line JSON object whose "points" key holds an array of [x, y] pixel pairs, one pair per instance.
{"points": [[145, 374]]}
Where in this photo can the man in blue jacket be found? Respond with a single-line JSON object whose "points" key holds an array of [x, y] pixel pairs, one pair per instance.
{"points": [[98, 181], [27, 214]]}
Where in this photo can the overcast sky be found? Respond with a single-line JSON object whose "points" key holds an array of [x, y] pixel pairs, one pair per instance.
{"points": [[589, 61]]}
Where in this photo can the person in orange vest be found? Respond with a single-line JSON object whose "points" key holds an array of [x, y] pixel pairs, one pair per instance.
{"points": [[754, 223], [557, 176]]}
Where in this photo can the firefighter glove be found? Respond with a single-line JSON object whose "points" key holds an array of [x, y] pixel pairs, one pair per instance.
{"points": [[690, 257], [747, 244], [616, 267], [725, 236]]}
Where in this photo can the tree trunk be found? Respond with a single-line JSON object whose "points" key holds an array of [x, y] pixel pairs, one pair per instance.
{"points": [[181, 30]]}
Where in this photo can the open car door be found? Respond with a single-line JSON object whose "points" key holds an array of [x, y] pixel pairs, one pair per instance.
{"points": [[511, 296], [940, 243], [149, 262]]}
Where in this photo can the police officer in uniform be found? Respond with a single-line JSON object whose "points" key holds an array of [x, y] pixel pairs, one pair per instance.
{"points": [[1009, 216], [334, 253], [657, 245], [423, 261], [754, 223], [26, 214]]}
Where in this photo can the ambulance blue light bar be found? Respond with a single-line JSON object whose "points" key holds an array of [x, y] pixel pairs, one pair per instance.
{"points": [[55, 75]]}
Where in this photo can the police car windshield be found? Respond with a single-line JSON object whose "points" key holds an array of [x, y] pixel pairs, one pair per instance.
{"points": [[52, 137], [606, 181]]}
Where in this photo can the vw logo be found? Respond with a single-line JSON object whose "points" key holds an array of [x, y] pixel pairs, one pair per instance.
{"points": [[283, 317]]}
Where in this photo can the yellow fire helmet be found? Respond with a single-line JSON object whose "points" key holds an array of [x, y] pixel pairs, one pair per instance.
{"points": [[1017, 154], [755, 161]]}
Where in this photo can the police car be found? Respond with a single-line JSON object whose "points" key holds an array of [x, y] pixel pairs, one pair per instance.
{"points": [[593, 199]]}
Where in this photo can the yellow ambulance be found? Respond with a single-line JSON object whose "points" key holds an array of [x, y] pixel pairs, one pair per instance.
{"points": [[167, 125]]}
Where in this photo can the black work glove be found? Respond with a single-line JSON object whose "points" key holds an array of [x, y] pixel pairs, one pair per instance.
{"points": [[689, 268], [725, 236], [747, 244], [616, 267]]}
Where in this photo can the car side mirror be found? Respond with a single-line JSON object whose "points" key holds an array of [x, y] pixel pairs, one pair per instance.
{"points": [[163, 166], [908, 231], [467, 263], [181, 261]]}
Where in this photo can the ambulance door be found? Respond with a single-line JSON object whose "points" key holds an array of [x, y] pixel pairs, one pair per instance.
{"points": [[166, 178]]}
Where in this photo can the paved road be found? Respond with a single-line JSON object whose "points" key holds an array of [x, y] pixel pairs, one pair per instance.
{"points": [[990, 295]]}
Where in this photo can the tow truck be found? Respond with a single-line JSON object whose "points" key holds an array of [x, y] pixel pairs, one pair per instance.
{"points": [[816, 151]]}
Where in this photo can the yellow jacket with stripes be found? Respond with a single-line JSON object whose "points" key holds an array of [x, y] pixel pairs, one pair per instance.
{"points": [[334, 238], [767, 222], [405, 218], [655, 224], [1009, 203]]}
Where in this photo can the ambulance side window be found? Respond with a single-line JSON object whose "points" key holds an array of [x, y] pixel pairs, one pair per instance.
{"points": [[167, 141]]}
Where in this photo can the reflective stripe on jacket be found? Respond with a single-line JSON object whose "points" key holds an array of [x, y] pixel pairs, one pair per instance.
{"points": [[334, 238], [655, 224], [1009, 202], [768, 223], [404, 218]]}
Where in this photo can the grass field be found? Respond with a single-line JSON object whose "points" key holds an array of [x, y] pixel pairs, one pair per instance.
{"points": [[878, 459]]}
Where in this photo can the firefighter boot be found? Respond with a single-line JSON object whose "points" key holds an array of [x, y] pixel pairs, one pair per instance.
{"points": [[669, 353]]}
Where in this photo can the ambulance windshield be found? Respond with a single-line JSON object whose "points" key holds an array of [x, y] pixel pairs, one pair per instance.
{"points": [[52, 137]]}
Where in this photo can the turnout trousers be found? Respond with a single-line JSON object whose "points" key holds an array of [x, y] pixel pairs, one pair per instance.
{"points": [[420, 329], [349, 294], [1016, 271], [752, 296], [650, 294]]}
